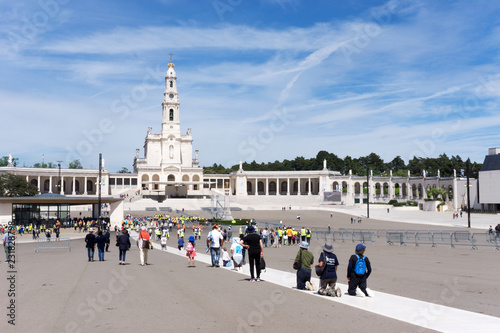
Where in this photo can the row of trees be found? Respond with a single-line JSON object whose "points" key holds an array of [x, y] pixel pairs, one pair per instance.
{"points": [[359, 165], [16, 186], [76, 164]]}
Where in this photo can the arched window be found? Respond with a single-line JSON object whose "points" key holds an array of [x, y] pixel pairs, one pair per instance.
{"points": [[90, 187], [171, 115], [284, 186], [171, 84]]}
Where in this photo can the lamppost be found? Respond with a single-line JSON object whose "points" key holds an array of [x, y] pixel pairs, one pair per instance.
{"points": [[59, 184], [367, 192], [99, 192], [468, 193]]}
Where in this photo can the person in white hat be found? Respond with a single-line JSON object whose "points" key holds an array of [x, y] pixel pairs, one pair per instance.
{"points": [[306, 258], [328, 264], [90, 244]]}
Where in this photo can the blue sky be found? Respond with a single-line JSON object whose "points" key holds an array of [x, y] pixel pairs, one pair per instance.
{"points": [[258, 80]]}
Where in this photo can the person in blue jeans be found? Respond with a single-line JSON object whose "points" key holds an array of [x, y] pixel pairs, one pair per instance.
{"points": [[215, 241], [123, 243], [101, 243], [304, 273], [90, 244]]}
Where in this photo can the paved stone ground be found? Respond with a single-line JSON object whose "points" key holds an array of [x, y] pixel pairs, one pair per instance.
{"points": [[63, 292], [59, 291]]}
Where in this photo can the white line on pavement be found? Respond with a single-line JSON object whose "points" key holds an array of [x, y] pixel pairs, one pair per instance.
{"points": [[424, 314]]}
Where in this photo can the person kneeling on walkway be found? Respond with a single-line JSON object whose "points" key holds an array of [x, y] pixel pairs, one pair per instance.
{"points": [[328, 262], [306, 258], [358, 270]]}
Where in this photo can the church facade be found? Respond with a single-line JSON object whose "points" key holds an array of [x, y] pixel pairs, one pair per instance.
{"points": [[167, 165], [167, 168]]}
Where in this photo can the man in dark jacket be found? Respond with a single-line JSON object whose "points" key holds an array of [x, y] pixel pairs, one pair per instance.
{"points": [[123, 243], [358, 270], [108, 239], [90, 244]]}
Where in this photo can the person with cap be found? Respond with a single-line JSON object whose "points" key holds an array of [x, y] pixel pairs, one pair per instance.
{"points": [[253, 243], [358, 270], [328, 262], [190, 251], [90, 244], [143, 243], [306, 258]]}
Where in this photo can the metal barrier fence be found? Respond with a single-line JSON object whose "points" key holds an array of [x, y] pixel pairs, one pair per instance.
{"points": [[433, 238], [44, 244]]}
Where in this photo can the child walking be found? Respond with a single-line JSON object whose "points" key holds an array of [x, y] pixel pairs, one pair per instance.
{"points": [[190, 251], [180, 243], [164, 243]]}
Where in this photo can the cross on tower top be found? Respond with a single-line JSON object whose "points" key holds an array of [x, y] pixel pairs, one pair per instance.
{"points": [[170, 54]]}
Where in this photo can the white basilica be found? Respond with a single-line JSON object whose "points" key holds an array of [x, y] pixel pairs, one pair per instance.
{"points": [[168, 165], [168, 169]]}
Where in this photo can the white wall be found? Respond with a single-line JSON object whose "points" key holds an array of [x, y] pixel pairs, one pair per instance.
{"points": [[5, 212], [489, 187]]}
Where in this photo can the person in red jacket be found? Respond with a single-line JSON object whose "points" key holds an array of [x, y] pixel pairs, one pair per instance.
{"points": [[143, 243]]}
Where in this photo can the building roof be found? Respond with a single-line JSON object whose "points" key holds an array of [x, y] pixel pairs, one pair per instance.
{"points": [[53, 198], [491, 163]]}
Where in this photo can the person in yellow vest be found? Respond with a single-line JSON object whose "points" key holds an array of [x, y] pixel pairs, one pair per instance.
{"points": [[303, 234], [295, 236], [182, 233], [280, 237], [308, 235]]}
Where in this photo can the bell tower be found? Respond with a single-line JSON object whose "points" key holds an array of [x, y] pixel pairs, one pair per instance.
{"points": [[171, 123]]}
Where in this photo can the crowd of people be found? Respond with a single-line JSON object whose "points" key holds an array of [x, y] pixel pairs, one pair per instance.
{"points": [[248, 245], [35, 230]]}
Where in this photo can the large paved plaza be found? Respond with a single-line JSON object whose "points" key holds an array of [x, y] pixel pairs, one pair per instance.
{"points": [[417, 289]]}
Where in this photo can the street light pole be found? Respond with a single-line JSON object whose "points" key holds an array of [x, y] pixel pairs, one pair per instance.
{"points": [[59, 184], [99, 192], [468, 193], [367, 192]]}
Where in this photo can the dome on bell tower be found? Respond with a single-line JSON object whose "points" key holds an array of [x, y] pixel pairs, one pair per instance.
{"points": [[170, 71]]}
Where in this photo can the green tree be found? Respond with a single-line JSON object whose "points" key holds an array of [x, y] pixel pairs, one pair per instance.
{"points": [[397, 164], [437, 192], [4, 161], [124, 170], [75, 165], [16, 186], [49, 165]]}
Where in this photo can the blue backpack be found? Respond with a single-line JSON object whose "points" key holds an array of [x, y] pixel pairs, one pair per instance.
{"points": [[360, 266]]}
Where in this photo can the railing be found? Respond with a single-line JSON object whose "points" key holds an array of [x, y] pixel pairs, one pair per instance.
{"points": [[62, 243], [433, 238]]}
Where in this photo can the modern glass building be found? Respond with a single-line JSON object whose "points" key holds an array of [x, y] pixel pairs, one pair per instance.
{"points": [[49, 208]]}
